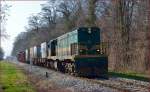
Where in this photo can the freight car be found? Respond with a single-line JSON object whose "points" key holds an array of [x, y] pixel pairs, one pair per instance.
{"points": [[27, 56], [79, 52], [21, 56]]}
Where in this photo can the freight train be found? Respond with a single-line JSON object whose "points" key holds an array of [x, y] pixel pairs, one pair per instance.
{"points": [[80, 52]]}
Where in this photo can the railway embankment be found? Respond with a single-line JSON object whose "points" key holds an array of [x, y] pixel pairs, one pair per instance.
{"points": [[50, 79]]}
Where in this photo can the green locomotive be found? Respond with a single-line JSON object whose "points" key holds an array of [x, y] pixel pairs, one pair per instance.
{"points": [[79, 52]]}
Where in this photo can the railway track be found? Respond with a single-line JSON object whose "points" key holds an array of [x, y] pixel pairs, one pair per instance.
{"points": [[122, 85]]}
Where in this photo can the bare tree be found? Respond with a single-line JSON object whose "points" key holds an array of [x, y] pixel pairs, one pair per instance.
{"points": [[3, 18], [67, 8], [49, 14], [3, 34], [91, 12], [124, 15], [34, 22], [148, 35]]}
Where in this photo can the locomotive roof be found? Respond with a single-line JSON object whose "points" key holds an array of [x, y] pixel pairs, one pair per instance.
{"points": [[65, 34], [68, 33]]}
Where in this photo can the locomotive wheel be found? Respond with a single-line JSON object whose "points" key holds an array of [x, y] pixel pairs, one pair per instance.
{"points": [[51, 64], [47, 63], [70, 68], [55, 65], [66, 67], [61, 66], [74, 73], [73, 70]]}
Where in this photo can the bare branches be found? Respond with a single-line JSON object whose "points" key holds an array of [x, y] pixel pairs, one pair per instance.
{"points": [[34, 22]]}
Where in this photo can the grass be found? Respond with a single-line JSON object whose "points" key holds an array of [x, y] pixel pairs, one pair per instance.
{"points": [[130, 75], [13, 80]]}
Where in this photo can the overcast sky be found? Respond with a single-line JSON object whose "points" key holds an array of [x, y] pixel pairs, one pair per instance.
{"points": [[18, 19]]}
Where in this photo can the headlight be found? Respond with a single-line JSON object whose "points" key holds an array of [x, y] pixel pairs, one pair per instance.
{"points": [[98, 50], [89, 31], [81, 50]]}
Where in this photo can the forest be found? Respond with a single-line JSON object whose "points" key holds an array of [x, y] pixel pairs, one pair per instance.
{"points": [[124, 25]]}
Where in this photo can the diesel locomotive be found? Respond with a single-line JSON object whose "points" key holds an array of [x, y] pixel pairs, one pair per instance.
{"points": [[79, 53]]}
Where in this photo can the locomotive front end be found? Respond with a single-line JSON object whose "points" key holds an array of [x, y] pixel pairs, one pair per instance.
{"points": [[92, 58], [92, 66]]}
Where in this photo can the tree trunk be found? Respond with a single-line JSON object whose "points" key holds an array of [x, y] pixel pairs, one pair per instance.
{"points": [[124, 11], [148, 35], [91, 13]]}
